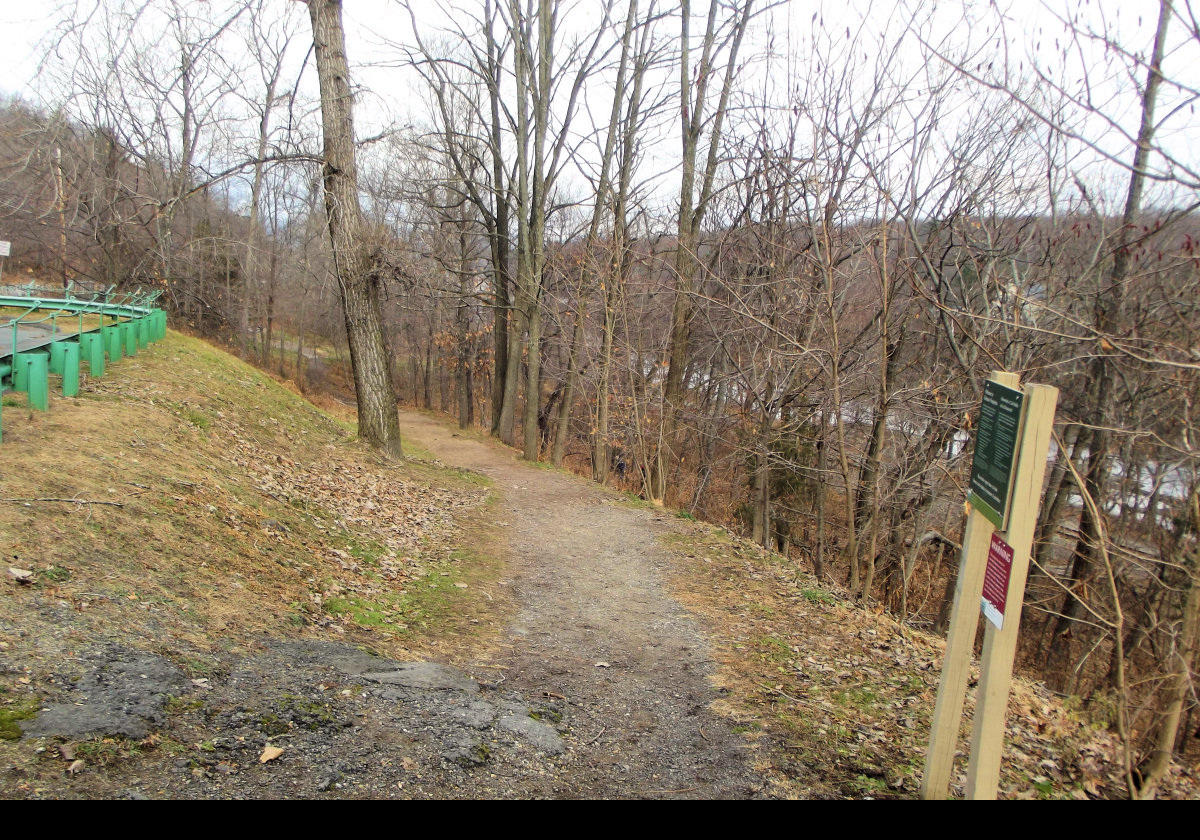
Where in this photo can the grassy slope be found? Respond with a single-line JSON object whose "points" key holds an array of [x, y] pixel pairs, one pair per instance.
{"points": [[233, 508]]}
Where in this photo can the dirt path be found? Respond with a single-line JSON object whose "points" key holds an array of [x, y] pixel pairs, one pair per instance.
{"points": [[597, 689], [597, 627]]}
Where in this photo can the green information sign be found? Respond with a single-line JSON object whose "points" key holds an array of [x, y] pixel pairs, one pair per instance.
{"points": [[996, 438]]}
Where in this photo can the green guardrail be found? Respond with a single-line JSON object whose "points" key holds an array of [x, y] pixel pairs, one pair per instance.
{"points": [[100, 328]]}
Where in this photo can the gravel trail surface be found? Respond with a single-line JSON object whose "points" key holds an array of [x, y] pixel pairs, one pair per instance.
{"points": [[597, 627]]}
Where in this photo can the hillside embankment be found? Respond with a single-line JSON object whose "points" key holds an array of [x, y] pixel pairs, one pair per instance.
{"points": [[217, 592]]}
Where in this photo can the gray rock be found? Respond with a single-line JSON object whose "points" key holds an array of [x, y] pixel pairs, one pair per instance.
{"points": [[343, 657], [539, 735], [425, 676], [124, 694], [476, 715], [467, 754]]}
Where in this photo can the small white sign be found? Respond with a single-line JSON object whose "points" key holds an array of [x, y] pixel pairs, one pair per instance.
{"points": [[4, 248]]}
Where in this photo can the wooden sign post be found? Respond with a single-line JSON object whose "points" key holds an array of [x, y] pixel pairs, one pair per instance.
{"points": [[1012, 444]]}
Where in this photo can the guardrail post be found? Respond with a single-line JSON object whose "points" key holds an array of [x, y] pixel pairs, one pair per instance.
{"points": [[133, 323], [5, 370], [31, 374], [58, 351], [70, 371], [91, 347], [112, 342]]}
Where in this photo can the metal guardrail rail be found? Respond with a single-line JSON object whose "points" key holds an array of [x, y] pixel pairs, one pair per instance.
{"points": [[57, 331]]}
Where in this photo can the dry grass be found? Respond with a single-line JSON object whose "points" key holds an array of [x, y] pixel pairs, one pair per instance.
{"points": [[840, 698], [235, 509]]}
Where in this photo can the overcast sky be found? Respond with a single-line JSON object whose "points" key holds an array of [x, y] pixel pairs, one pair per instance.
{"points": [[1032, 28]]}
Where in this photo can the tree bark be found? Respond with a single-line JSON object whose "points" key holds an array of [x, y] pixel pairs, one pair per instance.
{"points": [[1182, 654], [568, 399], [356, 268]]}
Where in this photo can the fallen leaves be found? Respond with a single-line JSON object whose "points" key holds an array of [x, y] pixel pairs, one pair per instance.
{"points": [[357, 496], [383, 522], [270, 753], [847, 695]]}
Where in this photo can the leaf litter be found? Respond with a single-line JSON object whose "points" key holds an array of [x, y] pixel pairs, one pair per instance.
{"points": [[841, 698]]}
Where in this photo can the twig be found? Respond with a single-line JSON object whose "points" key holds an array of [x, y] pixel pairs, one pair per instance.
{"points": [[782, 694], [552, 694], [66, 501], [597, 738], [705, 737]]}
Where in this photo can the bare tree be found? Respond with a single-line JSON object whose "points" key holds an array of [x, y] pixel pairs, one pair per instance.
{"points": [[360, 268], [718, 57]]}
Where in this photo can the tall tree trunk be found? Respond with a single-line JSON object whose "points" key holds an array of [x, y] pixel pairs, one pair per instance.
{"points": [[760, 482], [427, 375], [568, 399], [465, 354], [1101, 372], [818, 557], [1181, 655], [250, 264], [357, 270], [444, 396], [504, 396], [533, 383], [600, 447], [619, 262], [512, 378], [692, 206], [873, 467], [469, 394], [711, 434]]}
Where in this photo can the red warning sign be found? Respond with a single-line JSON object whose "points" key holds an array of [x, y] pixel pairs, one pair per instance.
{"points": [[995, 580]]}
